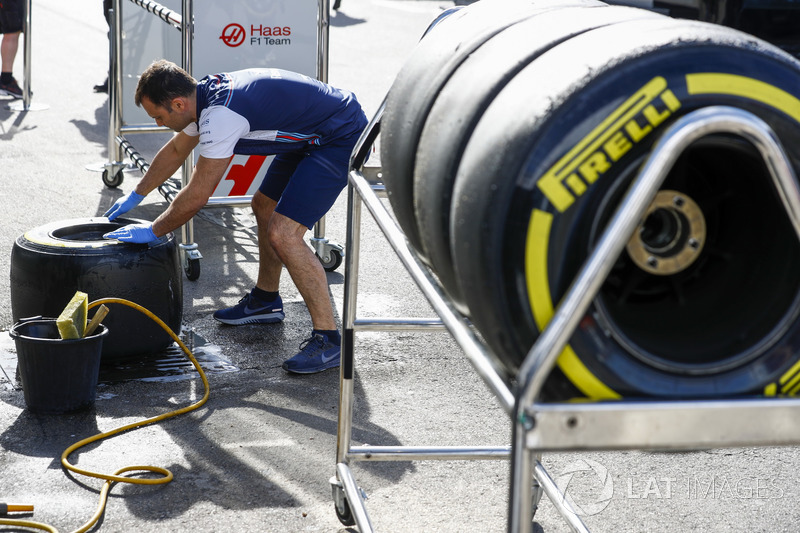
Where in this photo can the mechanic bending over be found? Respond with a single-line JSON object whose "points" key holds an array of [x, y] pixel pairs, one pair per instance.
{"points": [[309, 126]]}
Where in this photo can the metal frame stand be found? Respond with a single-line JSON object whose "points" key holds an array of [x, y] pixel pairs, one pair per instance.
{"points": [[25, 103], [329, 253], [539, 427]]}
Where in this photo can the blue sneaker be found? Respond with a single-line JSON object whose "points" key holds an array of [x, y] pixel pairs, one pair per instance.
{"points": [[251, 310], [316, 354]]}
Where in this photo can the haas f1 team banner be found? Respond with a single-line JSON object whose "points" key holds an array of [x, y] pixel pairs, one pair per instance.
{"points": [[232, 35], [237, 34]]}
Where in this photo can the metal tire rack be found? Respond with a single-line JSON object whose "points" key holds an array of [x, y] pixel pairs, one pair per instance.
{"points": [[330, 254], [541, 427]]}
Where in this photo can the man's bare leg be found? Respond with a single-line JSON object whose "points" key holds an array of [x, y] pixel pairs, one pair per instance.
{"points": [[256, 307], [269, 265], [286, 238], [8, 51]]}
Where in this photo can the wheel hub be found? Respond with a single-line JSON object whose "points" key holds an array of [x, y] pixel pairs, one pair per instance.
{"points": [[671, 235]]}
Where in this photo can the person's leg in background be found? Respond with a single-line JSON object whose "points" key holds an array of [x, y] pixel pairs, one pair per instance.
{"points": [[11, 28], [103, 87]]}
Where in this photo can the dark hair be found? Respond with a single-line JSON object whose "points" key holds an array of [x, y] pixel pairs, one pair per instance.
{"points": [[162, 82]]}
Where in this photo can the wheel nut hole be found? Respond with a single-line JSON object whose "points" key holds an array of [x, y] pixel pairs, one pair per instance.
{"points": [[661, 230]]}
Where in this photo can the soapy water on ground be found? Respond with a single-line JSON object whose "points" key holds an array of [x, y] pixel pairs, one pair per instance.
{"points": [[170, 364]]}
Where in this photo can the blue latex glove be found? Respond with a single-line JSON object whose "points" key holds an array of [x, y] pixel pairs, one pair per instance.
{"points": [[141, 233], [123, 205]]}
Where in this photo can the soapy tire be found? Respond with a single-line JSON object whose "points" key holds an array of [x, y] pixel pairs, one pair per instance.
{"points": [[524, 217], [50, 262]]}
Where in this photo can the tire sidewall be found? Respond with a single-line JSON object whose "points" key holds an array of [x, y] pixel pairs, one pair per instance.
{"points": [[456, 111], [597, 365], [47, 267]]}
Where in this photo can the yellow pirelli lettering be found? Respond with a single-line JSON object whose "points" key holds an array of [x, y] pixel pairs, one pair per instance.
{"points": [[595, 165], [717, 83], [541, 302], [617, 146], [609, 141], [791, 384], [787, 382], [576, 184]]}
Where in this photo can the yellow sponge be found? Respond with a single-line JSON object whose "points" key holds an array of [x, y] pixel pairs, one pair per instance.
{"points": [[72, 320]]}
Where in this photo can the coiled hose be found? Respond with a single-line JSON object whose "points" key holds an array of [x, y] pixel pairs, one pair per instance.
{"points": [[116, 477]]}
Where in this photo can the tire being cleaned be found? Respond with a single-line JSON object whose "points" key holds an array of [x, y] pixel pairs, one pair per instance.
{"points": [[50, 262]]}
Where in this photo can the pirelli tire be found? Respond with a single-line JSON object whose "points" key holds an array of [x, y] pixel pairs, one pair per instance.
{"points": [[549, 161], [462, 100], [416, 86], [50, 262]]}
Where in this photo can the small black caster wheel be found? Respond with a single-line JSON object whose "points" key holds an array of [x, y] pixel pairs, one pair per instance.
{"points": [[345, 515], [113, 181], [192, 269], [333, 262]]}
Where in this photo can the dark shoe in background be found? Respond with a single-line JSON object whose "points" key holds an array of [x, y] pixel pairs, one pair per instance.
{"points": [[11, 89], [102, 88]]}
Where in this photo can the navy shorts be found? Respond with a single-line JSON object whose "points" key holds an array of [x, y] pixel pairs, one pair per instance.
{"points": [[12, 12], [306, 184]]}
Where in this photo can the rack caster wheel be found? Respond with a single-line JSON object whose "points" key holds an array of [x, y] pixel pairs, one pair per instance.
{"points": [[536, 497], [334, 260], [191, 268], [345, 515], [190, 260], [340, 505], [113, 181]]}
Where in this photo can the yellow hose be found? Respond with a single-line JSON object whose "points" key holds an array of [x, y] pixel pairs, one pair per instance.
{"points": [[166, 475]]}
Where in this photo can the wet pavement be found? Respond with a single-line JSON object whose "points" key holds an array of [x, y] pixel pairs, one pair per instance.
{"points": [[259, 454]]}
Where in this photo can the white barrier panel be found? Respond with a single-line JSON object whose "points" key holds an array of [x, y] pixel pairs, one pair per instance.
{"points": [[233, 35], [239, 34]]}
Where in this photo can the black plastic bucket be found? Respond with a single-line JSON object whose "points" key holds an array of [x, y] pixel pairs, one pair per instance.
{"points": [[58, 376]]}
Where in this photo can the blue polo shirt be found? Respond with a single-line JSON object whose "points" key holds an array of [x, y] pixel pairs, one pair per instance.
{"points": [[268, 111]]}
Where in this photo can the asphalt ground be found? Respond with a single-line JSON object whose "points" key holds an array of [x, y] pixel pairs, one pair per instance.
{"points": [[259, 454]]}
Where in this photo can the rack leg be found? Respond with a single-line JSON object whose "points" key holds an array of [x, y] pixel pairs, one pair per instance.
{"points": [[558, 499], [347, 497], [529, 480], [537, 490], [346, 368], [520, 516]]}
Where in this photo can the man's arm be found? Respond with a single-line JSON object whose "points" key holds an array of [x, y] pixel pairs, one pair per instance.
{"points": [[166, 162], [193, 197]]}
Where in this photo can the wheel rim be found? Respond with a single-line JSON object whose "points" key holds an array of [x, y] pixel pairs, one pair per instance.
{"points": [[738, 270], [82, 235], [90, 232]]}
